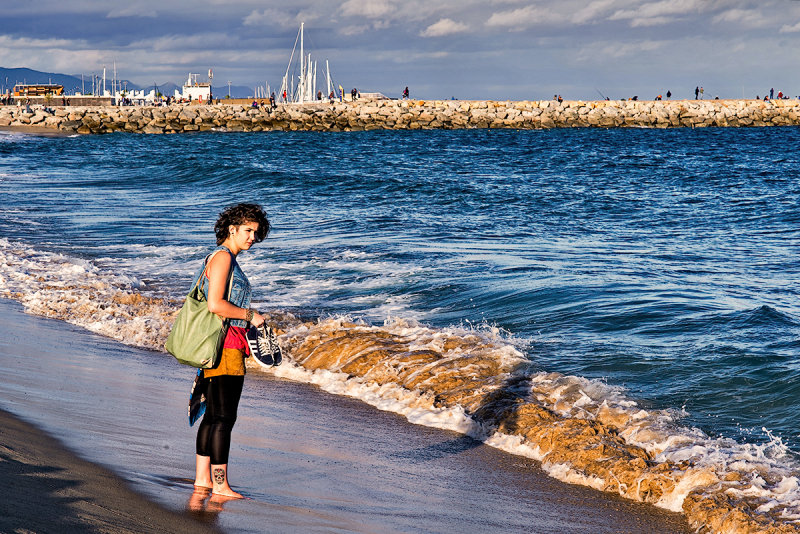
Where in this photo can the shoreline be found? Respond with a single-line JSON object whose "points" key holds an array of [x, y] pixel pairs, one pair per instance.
{"points": [[30, 129], [307, 460], [403, 115]]}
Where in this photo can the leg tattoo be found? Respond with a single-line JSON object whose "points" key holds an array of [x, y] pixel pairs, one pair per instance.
{"points": [[219, 475]]}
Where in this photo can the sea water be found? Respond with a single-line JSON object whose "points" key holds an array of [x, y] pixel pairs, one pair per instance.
{"points": [[654, 271]]}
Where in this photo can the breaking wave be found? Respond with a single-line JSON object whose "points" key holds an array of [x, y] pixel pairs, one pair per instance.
{"points": [[472, 380]]}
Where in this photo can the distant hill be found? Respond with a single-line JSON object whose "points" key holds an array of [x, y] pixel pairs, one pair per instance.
{"points": [[73, 84]]}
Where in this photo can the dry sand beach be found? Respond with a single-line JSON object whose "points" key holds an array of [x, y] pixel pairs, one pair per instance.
{"points": [[308, 461]]}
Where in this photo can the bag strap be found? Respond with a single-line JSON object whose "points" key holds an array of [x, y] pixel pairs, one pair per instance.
{"points": [[205, 269]]}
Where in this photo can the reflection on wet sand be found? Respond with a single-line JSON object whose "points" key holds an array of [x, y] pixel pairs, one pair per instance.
{"points": [[205, 506]]}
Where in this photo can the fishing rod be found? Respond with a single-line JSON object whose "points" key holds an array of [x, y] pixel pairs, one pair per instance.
{"points": [[601, 94]]}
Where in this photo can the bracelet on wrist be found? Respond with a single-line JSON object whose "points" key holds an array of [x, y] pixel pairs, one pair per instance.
{"points": [[249, 315]]}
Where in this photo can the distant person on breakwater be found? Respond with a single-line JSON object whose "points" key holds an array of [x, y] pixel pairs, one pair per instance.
{"points": [[701, 92], [405, 93], [238, 228], [272, 100], [771, 92], [669, 94], [696, 93]]}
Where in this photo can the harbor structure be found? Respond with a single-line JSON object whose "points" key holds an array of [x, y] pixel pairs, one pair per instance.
{"points": [[40, 89], [194, 90]]}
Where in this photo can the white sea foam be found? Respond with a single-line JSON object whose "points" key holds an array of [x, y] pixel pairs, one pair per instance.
{"points": [[765, 470], [7, 136], [417, 408], [76, 291], [111, 303]]}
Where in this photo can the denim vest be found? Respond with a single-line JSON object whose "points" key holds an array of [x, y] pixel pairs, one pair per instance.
{"points": [[241, 293]]}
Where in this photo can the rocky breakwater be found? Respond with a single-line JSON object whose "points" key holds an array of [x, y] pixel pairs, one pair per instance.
{"points": [[409, 115]]}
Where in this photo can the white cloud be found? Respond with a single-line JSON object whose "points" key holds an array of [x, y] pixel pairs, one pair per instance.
{"points": [[662, 11], [748, 18], [354, 29], [790, 29], [268, 17], [132, 10], [444, 27], [202, 42], [276, 17], [594, 11], [412, 58], [616, 50], [523, 17], [371, 9], [38, 44]]}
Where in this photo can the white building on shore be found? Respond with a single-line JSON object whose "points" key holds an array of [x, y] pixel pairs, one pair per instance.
{"points": [[194, 90]]}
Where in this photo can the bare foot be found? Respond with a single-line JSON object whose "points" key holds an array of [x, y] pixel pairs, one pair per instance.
{"points": [[219, 473]]}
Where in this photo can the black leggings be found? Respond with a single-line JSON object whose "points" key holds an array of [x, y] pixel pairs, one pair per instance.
{"points": [[222, 402]]}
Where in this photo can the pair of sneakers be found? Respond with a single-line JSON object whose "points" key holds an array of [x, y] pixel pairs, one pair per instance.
{"points": [[264, 346]]}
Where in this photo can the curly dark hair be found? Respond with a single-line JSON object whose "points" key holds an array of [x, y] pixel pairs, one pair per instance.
{"points": [[241, 214]]}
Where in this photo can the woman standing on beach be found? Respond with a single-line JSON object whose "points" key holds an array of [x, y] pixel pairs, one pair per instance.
{"points": [[237, 229]]}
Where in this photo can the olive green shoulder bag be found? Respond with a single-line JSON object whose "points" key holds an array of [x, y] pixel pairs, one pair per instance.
{"points": [[197, 336]]}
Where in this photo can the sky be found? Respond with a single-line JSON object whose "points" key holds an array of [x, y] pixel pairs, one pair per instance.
{"points": [[467, 49]]}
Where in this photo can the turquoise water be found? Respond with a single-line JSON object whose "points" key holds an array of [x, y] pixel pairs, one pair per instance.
{"points": [[662, 261]]}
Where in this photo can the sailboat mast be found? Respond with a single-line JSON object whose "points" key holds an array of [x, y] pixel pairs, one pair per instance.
{"points": [[309, 77], [285, 82], [328, 77], [302, 66], [314, 83]]}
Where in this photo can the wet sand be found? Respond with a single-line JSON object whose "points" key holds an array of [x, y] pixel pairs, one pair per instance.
{"points": [[32, 129], [51, 490], [308, 461]]}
